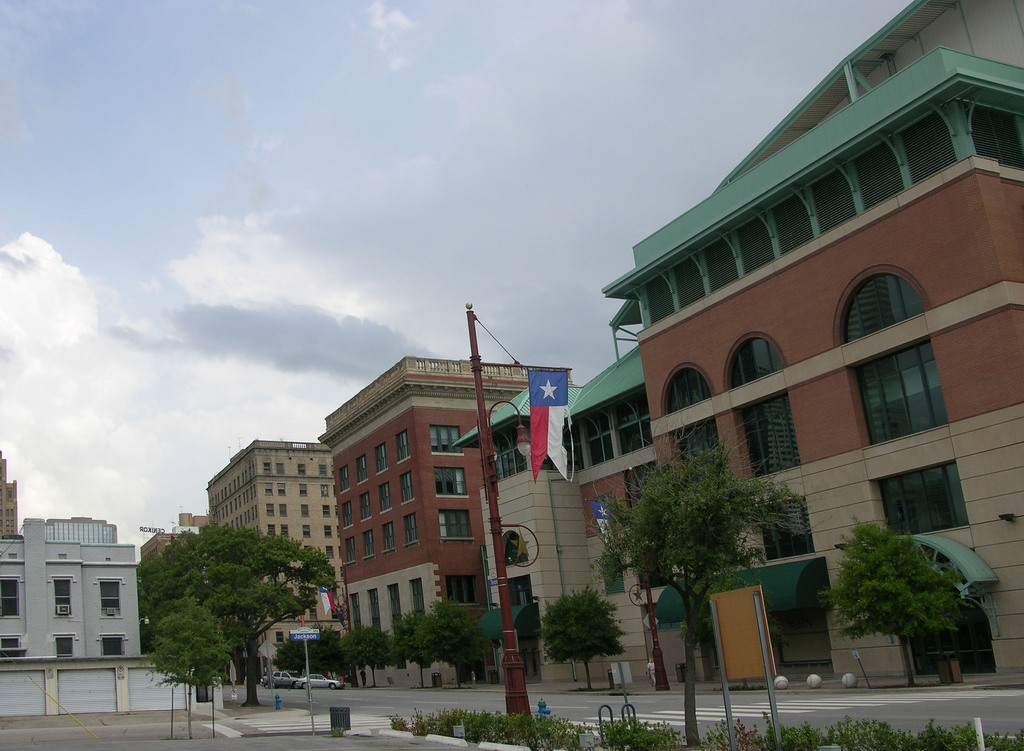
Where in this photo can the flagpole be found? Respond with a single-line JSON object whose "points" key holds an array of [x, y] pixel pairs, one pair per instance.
{"points": [[517, 701]]}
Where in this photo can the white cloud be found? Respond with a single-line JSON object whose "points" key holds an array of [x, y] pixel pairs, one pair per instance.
{"points": [[388, 26]]}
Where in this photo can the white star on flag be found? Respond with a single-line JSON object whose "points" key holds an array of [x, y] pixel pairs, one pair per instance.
{"points": [[549, 390]]}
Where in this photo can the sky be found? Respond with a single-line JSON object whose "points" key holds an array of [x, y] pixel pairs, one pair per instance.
{"points": [[220, 219]]}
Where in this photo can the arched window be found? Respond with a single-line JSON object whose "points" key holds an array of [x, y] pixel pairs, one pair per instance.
{"points": [[688, 387], [880, 302], [756, 359]]}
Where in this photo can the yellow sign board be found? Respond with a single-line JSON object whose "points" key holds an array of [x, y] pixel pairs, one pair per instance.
{"points": [[738, 612]]}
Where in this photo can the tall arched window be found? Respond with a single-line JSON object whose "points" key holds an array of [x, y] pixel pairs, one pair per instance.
{"points": [[755, 359], [688, 387], [880, 302]]}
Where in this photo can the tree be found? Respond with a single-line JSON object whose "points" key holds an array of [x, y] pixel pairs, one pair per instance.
{"points": [[409, 640], [326, 654], [453, 635], [189, 647], [368, 646], [887, 585], [695, 523], [581, 626], [248, 580]]}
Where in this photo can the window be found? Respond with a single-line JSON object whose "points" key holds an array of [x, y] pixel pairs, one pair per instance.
{"points": [[380, 455], [280, 488], [633, 420], [354, 608], [755, 359], [368, 550], [64, 646], [371, 596], [271, 531], [282, 509], [402, 445], [111, 645], [325, 510], [346, 514], [266, 468], [449, 481], [461, 588], [270, 509], [599, 437], [387, 533], [329, 551], [790, 537], [880, 302], [306, 534], [279, 468], [268, 488], [325, 491], [771, 437], [454, 523], [301, 468], [62, 596], [443, 438], [8, 597], [110, 597], [520, 590], [327, 530], [10, 646], [364, 506], [279, 637], [416, 590], [395, 601], [698, 437], [302, 489], [304, 509], [901, 394], [323, 470], [343, 477], [688, 387], [284, 530], [361, 471], [405, 481], [924, 501], [350, 550], [384, 493], [411, 533], [508, 460]]}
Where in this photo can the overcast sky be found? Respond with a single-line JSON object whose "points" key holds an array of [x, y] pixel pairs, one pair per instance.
{"points": [[220, 219]]}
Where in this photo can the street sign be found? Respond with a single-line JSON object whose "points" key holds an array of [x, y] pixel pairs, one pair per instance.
{"points": [[305, 634]]}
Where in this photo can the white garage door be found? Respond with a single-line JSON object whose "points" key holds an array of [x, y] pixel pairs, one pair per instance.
{"points": [[20, 695], [145, 691], [87, 690]]}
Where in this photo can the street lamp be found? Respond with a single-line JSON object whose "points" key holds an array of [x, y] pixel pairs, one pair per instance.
{"points": [[517, 701]]}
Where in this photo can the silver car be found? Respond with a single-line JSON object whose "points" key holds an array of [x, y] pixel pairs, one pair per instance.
{"points": [[318, 681]]}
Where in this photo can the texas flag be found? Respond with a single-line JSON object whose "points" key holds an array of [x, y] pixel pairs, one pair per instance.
{"points": [[327, 599], [549, 400]]}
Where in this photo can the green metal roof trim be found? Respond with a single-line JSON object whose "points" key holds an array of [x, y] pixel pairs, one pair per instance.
{"points": [[525, 620], [617, 380], [938, 77], [786, 586], [967, 562], [505, 414]]}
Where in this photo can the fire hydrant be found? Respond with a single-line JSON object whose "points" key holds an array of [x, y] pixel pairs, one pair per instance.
{"points": [[542, 710], [277, 701]]}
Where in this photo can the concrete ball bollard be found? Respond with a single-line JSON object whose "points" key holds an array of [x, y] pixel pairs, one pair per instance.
{"points": [[781, 682], [849, 680], [814, 681]]}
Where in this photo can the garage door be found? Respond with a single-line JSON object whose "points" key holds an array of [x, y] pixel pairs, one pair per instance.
{"points": [[87, 690], [20, 695], [145, 691]]}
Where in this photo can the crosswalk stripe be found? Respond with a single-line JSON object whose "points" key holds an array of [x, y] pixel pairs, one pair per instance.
{"points": [[295, 722]]}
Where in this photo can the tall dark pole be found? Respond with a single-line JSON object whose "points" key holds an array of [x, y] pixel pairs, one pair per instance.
{"points": [[517, 701], [660, 678]]}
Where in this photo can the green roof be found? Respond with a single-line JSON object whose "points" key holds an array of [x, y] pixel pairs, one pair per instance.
{"points": [[614, 382], [505, 414]]}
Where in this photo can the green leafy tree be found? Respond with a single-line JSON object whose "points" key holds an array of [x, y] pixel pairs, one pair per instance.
{"points": [[326, 654], [887, 585], [368, 646], [248, 580], [189, 648], [581, 626], [453, 635], [695, 523], [409, 640]]}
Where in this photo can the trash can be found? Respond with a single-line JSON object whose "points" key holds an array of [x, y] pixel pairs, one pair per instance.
{"points": [[681, 671], [611, 679], [435, 680], [492, 676], [949, 670], [340, 718]]}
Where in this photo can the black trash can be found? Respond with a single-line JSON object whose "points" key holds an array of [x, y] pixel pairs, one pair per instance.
{"points": [[681, 671], [435, 680], [492, 676], [340, 718], [611, 679]]}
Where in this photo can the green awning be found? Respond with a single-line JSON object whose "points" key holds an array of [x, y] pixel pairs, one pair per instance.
{"points": [[972, 567], [616, 381], [786, 586], [525, 619]]}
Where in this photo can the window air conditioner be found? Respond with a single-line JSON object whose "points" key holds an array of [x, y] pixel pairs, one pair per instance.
{"points": [[109, 611], [63, 610]]}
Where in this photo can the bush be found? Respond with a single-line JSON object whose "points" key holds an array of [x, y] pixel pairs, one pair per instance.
{"points": [[633, 735], [516, 729]]}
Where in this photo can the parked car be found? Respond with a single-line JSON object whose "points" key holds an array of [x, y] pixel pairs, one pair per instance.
{"points": [[281, 678], [318, 681]]}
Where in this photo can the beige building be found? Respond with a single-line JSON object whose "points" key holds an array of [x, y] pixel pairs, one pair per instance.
{"points": [[8, 502]]}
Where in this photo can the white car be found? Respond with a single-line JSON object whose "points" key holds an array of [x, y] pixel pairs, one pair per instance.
{"points": [[318, 681]]}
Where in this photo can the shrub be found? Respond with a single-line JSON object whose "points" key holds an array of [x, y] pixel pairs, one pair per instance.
{"points": [[633, 735]]}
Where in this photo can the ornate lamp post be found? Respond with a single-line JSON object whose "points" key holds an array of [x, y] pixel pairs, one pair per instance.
{"points": [[517, 701]]}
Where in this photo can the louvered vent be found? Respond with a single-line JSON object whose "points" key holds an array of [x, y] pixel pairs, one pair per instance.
{"points": [[833, 200], [755, 245], [996, 136], [721, 265], [928, 146], [659, 299], [792, 223], [689, 282], [878, 174]]}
